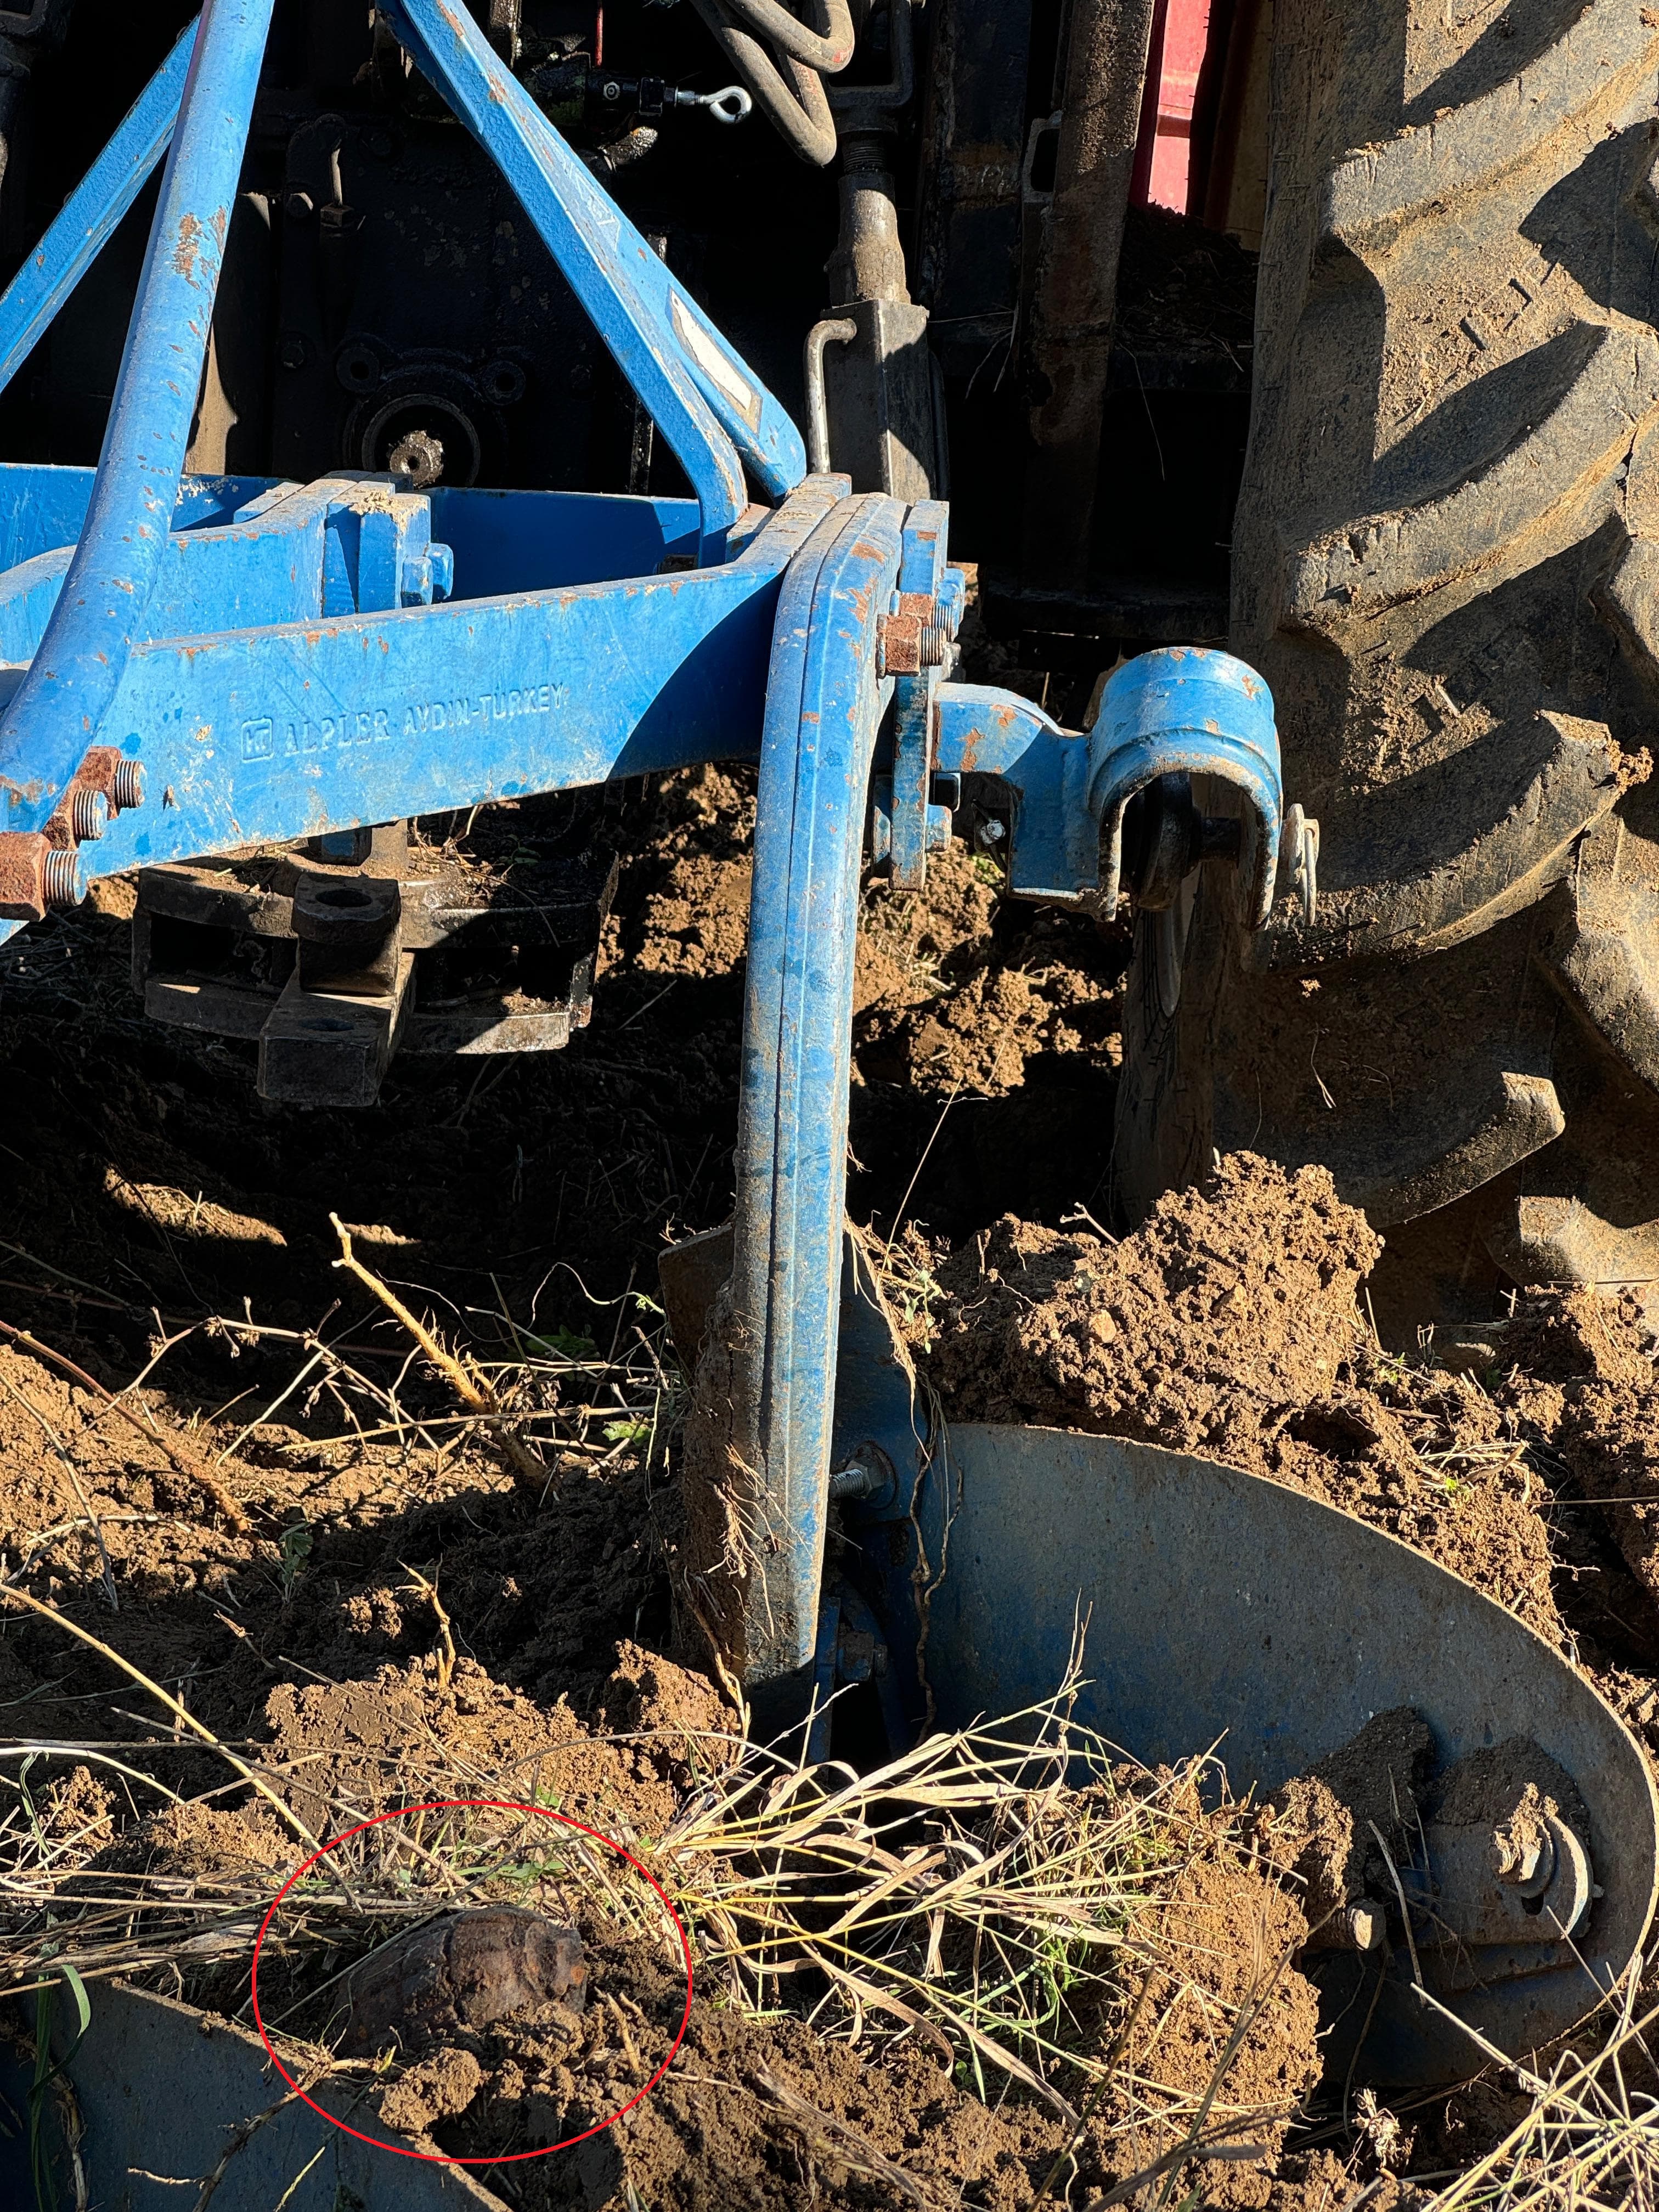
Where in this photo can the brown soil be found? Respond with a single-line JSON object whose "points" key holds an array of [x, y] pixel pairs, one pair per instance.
{"points": [[941, 1006], [697, 922], [1323, 1825], [1591, 1379], [371, 1618], [1228, 1326], [941, 1003], [1225, 1938], [342, 1681]]}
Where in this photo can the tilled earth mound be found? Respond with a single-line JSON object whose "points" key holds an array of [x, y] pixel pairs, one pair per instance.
{"points": [[371, 1618], [1228, 1326]]}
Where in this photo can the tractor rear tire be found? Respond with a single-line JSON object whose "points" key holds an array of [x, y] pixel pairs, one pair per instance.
{"points": [[1446, 563]]}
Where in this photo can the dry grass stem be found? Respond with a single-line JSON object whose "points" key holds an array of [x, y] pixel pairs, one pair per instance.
{"points": [[12, 1596], [471, 1387], [179, 1458]]}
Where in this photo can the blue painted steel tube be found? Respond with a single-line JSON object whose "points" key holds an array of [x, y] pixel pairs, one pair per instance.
{"points": [[88, 218], [824, 706], [706, 402], [60, 709]]}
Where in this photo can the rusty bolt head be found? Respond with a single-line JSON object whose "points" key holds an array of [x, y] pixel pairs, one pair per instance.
{"points": [[912, 637], [898, 646], [22, 860]]}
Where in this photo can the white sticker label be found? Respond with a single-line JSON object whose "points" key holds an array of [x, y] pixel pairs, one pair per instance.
{"points": [[716, 366]]}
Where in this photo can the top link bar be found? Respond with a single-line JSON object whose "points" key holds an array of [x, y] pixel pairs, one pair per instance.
{"points": [[704, 399]]}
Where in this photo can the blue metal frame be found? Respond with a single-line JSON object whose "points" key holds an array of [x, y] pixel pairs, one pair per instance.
{"points": [[220, 663], [85, 223], [72, 681], [825, 705], [709, 404]]}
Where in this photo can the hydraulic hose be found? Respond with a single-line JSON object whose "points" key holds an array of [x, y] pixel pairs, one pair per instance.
{"points": [[801, 114], [828, 50]]}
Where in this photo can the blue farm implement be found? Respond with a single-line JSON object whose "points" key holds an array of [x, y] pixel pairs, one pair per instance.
{"points": [[197, 668]]}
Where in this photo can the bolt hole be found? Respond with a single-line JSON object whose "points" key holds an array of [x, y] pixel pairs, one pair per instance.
{"points": [[358, 368]]}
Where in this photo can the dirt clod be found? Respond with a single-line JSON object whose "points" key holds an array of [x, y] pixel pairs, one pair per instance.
{"points": [[439, 2089], [1224, 2007], [1228, 1326], [1230, 1307], [1325, 1826]]}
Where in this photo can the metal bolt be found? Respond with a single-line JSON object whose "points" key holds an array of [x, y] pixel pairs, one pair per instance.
{"points": [[418, 459], [1301, 855], [61, 878], [293, 353], [912, 637], [855, 1481], [358, 368], [297, 206], [89, 813], [1522, 1858], [869, 1477], [505, 381], [991, 832], [129, 787]]}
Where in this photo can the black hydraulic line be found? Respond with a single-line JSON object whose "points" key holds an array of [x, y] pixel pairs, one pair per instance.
{"points": [[828, 50], [801, 115]]}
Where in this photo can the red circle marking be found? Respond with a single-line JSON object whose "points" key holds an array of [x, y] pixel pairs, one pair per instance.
{"points": [[461, 1804]]}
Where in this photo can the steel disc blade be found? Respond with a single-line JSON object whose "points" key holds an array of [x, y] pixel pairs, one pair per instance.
{"points": [[1225, 1609]]}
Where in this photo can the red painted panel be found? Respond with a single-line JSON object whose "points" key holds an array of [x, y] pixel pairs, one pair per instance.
{"points": [[1180, 34]]}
